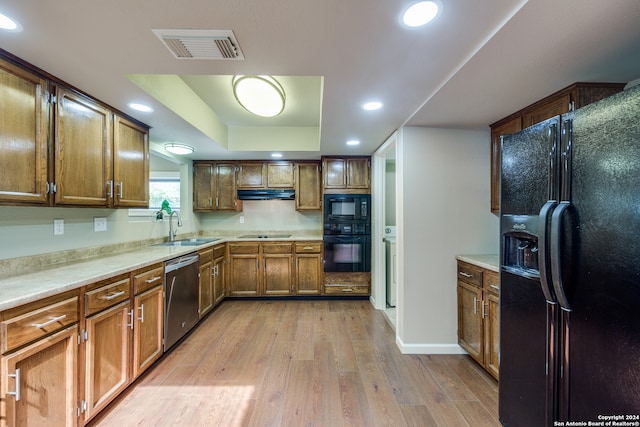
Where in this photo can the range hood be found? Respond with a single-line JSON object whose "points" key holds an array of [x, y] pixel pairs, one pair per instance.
{"points": [[266, 194]]}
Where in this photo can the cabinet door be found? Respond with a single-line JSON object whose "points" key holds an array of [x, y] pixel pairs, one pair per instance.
{"points": [[307, 186], [554, 107], [219, 277], [280, 175], [130, 164], [335, 173], [244, 279], [358, 173], [203, 187], [308, 274], [83, 158], [226, 193], [107, 353], [39, 382], [205, 295], [492, 333], [23, 140], [147, 332], [470, 319], [251, 176], [278, 274], [507, 128]]}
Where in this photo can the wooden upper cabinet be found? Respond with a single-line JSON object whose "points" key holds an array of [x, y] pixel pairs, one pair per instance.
{"points": [[23, 136], [83, 143], [130, 164], [226, 190], [570, 98], [307, 186], [347, 173], [256, 175], [214, 187], [203, 187], [251, 175]]}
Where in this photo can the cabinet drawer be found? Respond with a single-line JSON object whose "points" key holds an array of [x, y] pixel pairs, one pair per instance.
{"points": [[277, 248], [491, 281], [470, 274], [106, 296], [247, 248], [147, 280], [346, 289], [308, 247], [218, 251], [205, 256], [36, 324]]}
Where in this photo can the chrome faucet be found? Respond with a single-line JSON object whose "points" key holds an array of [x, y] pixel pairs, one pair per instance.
{"points": [[172, 233]]}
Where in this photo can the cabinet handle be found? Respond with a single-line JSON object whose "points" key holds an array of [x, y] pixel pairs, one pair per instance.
{"points": [[467, 275], [141, 318], [110, 184], [121, 190], [210, 202], [46, 187], [17, 377], [483, 312], [112, 296], [130, 314], [497, 288], [307, 248], [53, 320], [475, 305], [154, 279]]}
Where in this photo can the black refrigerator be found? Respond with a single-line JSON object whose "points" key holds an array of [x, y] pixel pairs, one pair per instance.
{"points": [[570, 267]]}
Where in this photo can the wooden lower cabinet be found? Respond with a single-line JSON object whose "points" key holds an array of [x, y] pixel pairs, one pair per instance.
{"points": [[205, 294], [358, 284], [244, 266], [148, 329], [479, 314], [106, 364], [308, 269], [219, 274], [277, 274], [39, 382]]}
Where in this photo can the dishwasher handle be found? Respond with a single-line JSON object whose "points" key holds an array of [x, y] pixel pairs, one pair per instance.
{"points": [[177, 263]]}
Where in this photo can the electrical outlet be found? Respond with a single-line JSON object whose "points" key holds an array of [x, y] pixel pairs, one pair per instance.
{"points": [[99, 224], [241, 219], [58, 227]]}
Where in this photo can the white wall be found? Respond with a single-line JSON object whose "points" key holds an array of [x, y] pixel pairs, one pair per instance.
{"points": [[443, 204]]}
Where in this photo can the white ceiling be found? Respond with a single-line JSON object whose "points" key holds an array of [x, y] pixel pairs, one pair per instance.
{"points": [[480, 60]]}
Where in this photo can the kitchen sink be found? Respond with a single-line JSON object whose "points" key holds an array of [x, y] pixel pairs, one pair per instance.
{"points": [[265, 236], [187, 242]]}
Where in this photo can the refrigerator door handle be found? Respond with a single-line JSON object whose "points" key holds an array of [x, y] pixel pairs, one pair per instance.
{"points": [[543, 250], [554, 253]]}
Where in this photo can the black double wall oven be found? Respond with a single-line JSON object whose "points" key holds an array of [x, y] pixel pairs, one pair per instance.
{"points": [[347, 233]]}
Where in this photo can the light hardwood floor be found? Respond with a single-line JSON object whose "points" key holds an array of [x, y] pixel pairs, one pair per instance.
{"points": [[304, 363]]}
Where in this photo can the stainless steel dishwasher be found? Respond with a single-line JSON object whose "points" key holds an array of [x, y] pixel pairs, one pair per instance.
{"points": [[180, 297]]}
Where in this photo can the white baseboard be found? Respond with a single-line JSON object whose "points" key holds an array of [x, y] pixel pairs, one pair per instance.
{"points": [[429, 348]]}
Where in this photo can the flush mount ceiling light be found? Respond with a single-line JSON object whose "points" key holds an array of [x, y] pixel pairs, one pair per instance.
{"points": [[260, 95], [353, 142], [276, 155], [421, 13], [180, 149], [9, 24]]}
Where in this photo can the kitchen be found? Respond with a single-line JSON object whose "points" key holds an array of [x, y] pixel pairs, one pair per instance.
{"points": [[431, 150]]}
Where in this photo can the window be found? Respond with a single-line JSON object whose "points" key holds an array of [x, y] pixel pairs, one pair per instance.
{"points": [[162, 186]]}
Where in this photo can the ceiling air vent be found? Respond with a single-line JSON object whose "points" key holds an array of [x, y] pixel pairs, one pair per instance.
{"points": [[201, 44]]}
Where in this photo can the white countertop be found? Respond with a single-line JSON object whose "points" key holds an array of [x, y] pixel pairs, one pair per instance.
{"points": [[488, 261], [32, 286]]}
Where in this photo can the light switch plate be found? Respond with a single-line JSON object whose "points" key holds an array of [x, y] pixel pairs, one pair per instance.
{"points": [[99, 224], [58, 227]]}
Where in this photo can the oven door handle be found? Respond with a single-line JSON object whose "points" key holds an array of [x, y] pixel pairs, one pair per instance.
{"points": [[345, 239]]}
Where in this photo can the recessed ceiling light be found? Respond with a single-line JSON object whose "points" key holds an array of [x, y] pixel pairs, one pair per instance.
{"points": [[353, 142], [140, 107], [260, 95], [421, 13], [9, 24], [373, 105], [277, 155], [180, 149]]}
